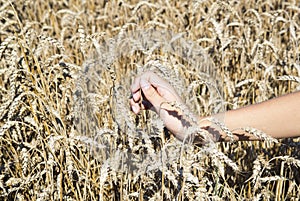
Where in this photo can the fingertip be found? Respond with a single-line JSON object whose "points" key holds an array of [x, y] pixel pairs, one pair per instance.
{"points": [[135, 109], [135, 86], [134, 106], [136, 96]]}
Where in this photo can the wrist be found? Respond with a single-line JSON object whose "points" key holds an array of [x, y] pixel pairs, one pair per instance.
{"points": [[206, 124]]}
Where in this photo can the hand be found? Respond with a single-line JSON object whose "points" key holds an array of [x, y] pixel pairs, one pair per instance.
{"points": [[149, 91]]}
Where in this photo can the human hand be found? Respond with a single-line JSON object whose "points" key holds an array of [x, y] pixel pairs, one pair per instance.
{"points": [[149, 91]]}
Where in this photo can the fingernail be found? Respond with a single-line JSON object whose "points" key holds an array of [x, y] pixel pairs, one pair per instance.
{"points": [[134, 109], [144, 84]]}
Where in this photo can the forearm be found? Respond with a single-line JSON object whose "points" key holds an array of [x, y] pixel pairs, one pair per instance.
{"points": [[278, 117]]}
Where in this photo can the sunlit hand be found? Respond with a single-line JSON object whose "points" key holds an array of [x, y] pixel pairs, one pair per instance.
{"points": [[149, 91]]}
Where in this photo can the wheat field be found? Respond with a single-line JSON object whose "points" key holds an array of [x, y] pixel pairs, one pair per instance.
{"points": [[66, 129]]}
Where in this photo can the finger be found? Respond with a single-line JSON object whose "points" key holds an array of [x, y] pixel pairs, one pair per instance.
{"points": [[168, 93], [151, 94], [137, 96], [135, 86], [154, 79], [162, 86], [135, 107], [135, 89]]}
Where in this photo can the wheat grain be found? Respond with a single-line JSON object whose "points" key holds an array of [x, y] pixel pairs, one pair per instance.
{"points": [[25, 161]]}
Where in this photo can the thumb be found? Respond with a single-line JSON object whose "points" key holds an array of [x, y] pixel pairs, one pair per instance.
{"points": [[151, 94]]}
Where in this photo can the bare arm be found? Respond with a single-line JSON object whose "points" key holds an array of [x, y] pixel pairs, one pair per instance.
{"points": [[278, 117]]}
